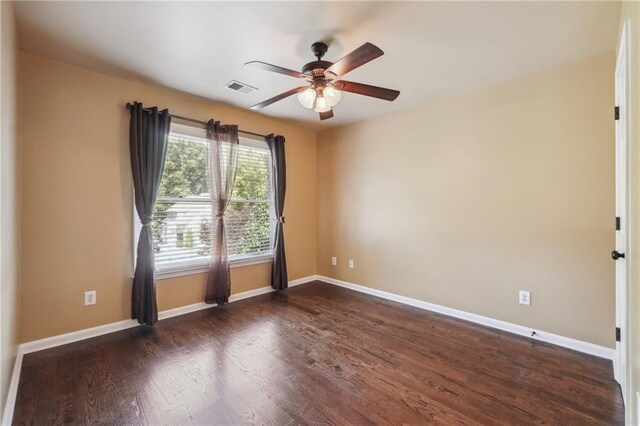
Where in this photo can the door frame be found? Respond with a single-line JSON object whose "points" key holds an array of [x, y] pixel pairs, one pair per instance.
{"points": [[621, 84]]}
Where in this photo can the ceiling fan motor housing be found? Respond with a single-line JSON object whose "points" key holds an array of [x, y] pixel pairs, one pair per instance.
{"points": [[316, 69]]}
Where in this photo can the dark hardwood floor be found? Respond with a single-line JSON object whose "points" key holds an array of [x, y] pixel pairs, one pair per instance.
{"points": [[315, 354]]}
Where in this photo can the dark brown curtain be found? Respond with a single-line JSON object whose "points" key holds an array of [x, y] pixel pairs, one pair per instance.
{"points": [[279, 277], [148, 136], [222, 175]]}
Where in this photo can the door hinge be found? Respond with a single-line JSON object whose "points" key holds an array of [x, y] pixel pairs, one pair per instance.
{"points": [[617, 223], [617, 113], [617, 334]]}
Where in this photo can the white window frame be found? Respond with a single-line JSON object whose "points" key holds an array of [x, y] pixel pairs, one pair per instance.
{"points": [[234, 262]]}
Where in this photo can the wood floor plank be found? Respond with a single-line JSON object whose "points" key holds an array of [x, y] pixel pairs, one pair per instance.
{"points": [[315, 354]]}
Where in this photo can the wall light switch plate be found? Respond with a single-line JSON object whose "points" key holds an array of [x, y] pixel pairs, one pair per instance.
{"points": [[89, 298], [334, 261], [351, 264], [524, 297]]}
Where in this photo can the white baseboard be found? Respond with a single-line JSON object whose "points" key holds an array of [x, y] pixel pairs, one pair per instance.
{"points": [[303, 280], [12, 393], [63, 339], [567, 342]]}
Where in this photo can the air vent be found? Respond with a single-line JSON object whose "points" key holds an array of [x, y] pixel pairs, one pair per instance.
{"points": [[240, 87]]}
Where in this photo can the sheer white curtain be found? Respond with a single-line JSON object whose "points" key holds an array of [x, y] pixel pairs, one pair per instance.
{"points": [[223, 163]]}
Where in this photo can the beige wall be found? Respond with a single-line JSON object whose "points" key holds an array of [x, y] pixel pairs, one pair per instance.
{"points": [[77, 197], [631, 11], [467, 200], [9, 199]]}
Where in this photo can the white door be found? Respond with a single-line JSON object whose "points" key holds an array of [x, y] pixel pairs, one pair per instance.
{"points": [[621, 99]]}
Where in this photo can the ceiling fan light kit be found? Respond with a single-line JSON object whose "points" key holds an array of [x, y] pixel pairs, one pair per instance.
{"points": [[322, 98], [321, 105], [307, 98], [332, 95], [324, 89]]}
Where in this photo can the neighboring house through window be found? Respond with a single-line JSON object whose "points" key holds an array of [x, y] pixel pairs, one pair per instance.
{"points": [[182, 223]]}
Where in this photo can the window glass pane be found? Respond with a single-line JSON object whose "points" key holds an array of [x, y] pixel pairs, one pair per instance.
{"points": [[252, 174], [185, 169], [181, 234], [248, 228]]}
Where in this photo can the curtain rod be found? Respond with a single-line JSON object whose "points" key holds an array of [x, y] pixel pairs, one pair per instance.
{"points": [[203, 123]]}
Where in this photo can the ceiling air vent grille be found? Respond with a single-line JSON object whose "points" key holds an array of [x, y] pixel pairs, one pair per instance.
{"points": [[240, 87]]}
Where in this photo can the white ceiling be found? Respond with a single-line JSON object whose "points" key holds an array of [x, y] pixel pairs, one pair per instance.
{"points": [[432, 49]]}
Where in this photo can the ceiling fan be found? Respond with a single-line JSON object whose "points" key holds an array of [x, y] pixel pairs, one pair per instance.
{"points": [[323, 89]]}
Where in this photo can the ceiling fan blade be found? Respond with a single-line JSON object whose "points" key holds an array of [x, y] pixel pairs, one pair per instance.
{"points": [[366, 90], [275, 68], [326, 115], [363, 54], [279, 97]]}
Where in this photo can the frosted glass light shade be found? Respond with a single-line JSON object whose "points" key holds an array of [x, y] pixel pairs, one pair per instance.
{"points": [[321, 104], [307, 98], [331, 95]]}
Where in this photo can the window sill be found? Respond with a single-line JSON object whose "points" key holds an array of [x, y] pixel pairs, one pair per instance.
{"points": [[236, 263], [251, 260]]}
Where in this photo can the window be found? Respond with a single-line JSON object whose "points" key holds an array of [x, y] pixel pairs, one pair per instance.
{"points": [[182, 221]]}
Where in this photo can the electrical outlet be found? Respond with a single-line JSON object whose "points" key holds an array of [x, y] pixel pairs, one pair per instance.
{"points": [[351, 264], [334, 261], [89, 298], [524, 297]]}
